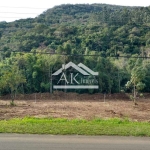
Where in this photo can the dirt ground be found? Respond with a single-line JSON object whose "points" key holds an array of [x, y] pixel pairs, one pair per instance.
{"points": [[88, 108]]}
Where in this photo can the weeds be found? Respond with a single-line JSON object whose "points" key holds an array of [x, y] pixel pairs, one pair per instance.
{"points": [[115, 126]]}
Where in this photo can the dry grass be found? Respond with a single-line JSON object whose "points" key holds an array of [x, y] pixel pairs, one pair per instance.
{"points": [[77, 109]]}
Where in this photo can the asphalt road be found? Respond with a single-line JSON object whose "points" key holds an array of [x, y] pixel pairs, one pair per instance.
{"points": [[74, 142]]}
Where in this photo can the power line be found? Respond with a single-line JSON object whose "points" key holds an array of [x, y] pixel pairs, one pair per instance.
{"points": [[22, 7], [17, 13], [13, 17], [114, 21], [77, 55]]}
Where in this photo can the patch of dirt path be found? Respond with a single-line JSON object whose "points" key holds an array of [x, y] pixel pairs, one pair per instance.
{"points": [[76, 109]]}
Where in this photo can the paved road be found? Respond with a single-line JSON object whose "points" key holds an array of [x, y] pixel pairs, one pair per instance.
{"points": [[55, 142]]}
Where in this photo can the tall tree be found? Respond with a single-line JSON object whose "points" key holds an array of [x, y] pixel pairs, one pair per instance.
{"points": [[136, 81], [11, 77]]}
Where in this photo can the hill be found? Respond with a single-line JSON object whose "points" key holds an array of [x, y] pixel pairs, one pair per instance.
{"points": [[105, 28], [101, 32]]}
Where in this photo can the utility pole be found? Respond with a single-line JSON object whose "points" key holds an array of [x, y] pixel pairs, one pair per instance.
{"points": [[65, 90], [50, 77], [118, 81]]}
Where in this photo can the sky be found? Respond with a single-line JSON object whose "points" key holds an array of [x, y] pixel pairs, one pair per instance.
{"points": [[11, 10]]}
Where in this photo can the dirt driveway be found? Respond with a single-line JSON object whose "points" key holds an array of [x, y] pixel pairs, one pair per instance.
{"points": [[82, 109]]}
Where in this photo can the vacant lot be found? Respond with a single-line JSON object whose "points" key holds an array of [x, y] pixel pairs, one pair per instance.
{"points": [[75, 106]]}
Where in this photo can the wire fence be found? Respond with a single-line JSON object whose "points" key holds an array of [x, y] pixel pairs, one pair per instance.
{"points": [[59, 95]]}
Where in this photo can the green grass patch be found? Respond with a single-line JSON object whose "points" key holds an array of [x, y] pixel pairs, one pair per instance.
{"points": [[79, 127]]}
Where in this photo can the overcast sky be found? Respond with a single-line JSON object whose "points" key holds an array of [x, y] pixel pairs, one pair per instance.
{"points": [[11, 10]]}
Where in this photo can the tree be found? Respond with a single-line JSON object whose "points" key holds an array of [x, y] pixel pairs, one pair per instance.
{"points": [[108, 82], [138, 73], [11, 78]]}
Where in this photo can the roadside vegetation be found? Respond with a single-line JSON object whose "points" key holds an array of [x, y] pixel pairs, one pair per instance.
{"points": [[115, 126]]}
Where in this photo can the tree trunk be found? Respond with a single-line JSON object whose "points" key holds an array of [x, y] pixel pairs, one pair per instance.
{"points": [[12, 97], [134, 94]]}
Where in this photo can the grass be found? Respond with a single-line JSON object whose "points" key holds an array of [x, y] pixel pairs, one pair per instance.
{"points": [[79, 127]]}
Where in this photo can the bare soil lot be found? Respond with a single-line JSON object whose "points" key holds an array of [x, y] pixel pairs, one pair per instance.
{"points": [[75, 106]]}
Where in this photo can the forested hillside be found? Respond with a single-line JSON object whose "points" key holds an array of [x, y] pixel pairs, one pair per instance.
{"points": [[113, 40]]}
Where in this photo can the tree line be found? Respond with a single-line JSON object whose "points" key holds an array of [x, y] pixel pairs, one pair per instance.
{"points": [[32, 72], [102, 32]]}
